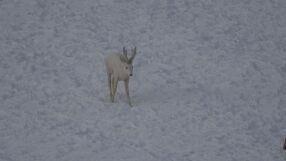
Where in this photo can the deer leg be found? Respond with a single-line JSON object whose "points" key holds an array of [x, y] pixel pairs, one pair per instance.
{"points": [[126, 83], [115, 82], [109, 86], [112, 88]]}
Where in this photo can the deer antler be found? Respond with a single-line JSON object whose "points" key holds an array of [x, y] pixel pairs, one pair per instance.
{"points": [[133, 55]]}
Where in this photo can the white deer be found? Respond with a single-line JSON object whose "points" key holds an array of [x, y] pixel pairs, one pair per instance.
{"points": [[119, 68]]}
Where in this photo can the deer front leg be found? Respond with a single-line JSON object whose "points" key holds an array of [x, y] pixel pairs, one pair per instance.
{"points": [[126, 83]]}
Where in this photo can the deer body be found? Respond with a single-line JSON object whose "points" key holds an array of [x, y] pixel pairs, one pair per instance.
{"points": [[119, 68]]}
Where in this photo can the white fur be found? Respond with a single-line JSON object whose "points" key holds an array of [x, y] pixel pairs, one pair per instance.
{"points": [[119, 68]]}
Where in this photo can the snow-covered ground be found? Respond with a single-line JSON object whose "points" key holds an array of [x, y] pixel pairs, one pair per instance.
{"points": [[209, 80]]}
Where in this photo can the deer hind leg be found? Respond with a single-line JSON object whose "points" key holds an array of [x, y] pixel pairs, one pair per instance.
{"points": [[109, 86], [114, 83], [112, 88], [126, 83]]}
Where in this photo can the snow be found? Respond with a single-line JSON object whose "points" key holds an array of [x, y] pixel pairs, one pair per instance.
{"points": [[209, 80]]}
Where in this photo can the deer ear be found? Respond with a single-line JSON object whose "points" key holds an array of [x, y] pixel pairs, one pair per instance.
{"points": [[123, 58]]}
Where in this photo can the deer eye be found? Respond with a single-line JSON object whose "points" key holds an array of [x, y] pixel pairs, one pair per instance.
{"points": [[126, 67]]}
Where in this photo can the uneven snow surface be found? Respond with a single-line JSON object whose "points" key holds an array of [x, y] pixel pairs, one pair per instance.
{"points": [[209, 80]]}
